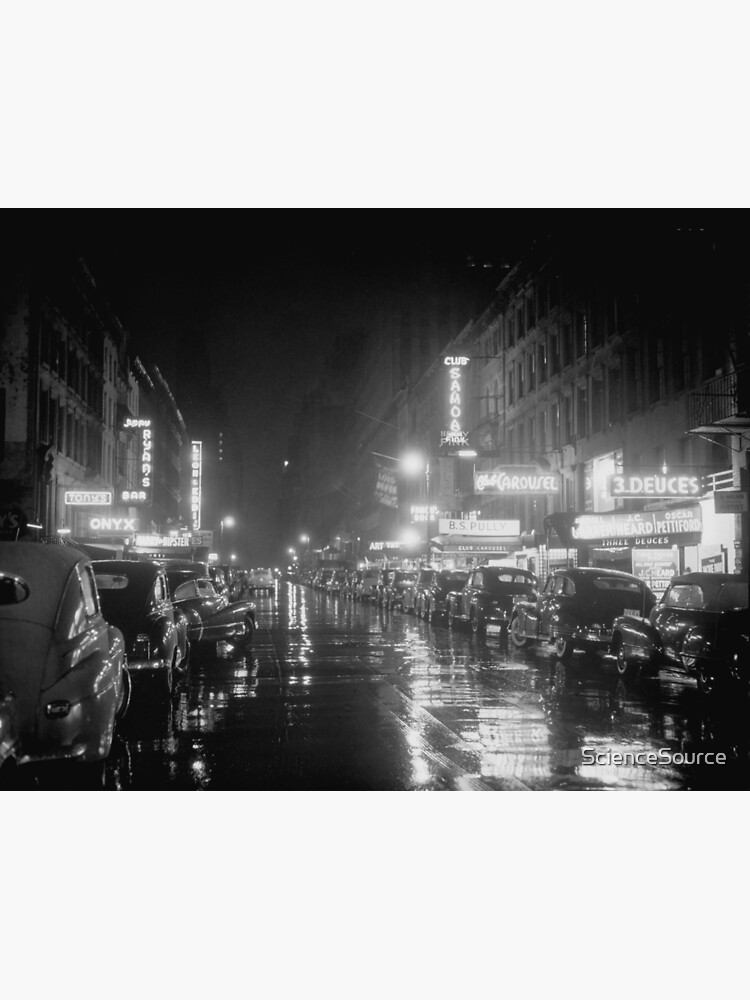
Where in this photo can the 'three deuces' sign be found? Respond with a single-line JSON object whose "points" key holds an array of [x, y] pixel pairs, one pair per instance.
{"points": [[145, 461], [479, 529], [519, 480], [676, 485], [455, 436], [674, 524]]}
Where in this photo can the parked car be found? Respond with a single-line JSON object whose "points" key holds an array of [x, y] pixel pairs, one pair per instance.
{"points": [[414, 588], [234, 579], [321, 578], [336, 581], [366, 586], [577, 609], [432, 601], [487, 597], [261, 579], [393, 592], [211, 616], [135, 597], [694, 600], [61, 662], [380, 586], [718, 653], [349, 584]]}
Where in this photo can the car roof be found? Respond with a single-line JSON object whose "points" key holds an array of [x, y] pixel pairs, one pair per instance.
{"points": [[584, 572], [140, 574], [46, 569], [702, 578]]}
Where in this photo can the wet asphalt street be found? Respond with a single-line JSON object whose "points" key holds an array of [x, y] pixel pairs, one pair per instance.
{"points": [[336, 695]]}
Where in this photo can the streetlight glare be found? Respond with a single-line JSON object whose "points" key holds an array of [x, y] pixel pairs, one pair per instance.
{"points": [[228, 521], [413, 463], [410, 536]]}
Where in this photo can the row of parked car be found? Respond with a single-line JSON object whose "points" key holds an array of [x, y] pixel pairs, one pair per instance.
{"points": [[699, 626], [84, 642]]}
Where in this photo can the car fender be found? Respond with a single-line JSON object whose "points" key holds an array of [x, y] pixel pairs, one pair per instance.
{"points": [[527, 616], [640, 639]]}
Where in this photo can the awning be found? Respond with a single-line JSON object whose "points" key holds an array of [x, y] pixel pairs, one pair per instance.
{"points": [[469, 544]]}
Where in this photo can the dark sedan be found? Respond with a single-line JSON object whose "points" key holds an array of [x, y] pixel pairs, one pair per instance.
{"points": [[135, 598], [432, 601], [62, 665], [487, 597], [577, 609], [211, 616], [693, 600]]}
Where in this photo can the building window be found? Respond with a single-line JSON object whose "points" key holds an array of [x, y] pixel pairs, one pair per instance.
{"points": [[542, 362], [582, 399], [566, 345], [530, 312], [519, 322], [554, 353], [582, 334], [597, 404], [519, 376], [553, 437], [531, 362], [541, 302], [615, 395], [633, 359], [511, 389]]}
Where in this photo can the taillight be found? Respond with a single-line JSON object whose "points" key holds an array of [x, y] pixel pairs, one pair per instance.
{"points": [[141, 647]]}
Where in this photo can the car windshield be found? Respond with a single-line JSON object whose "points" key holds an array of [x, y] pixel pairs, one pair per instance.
{"points": [[502, 582], [614, 583], [452, 580], [732, 596]]}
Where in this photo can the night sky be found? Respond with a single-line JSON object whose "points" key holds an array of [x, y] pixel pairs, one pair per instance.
{"points": [[242, 305], [255, 298]]}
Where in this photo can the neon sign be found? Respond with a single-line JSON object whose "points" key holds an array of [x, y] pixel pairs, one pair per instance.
{"points": [[196, 462], [113, 524], [454, 435], [145, 460], [655, 486], [94, 498], [519, 480]]}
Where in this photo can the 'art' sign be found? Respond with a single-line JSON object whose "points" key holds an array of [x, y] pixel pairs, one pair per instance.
{"points": [[640, 486], [517, 481], [455, 436]]}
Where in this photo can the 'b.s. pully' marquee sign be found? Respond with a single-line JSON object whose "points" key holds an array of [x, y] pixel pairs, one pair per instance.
{"points": [[454, 435]]}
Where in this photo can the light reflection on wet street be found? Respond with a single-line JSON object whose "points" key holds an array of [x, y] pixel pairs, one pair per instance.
{"points": [[335, 695]]}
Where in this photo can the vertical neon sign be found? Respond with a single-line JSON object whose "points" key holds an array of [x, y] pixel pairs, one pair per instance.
{"points": [[454, 435], [196, 463]]}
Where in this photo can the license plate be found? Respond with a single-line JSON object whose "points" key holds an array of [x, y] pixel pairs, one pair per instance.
{"points": [[633, 612]]}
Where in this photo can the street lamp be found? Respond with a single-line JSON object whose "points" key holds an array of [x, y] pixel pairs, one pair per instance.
{"points": [[228, 522], [413, 463]]}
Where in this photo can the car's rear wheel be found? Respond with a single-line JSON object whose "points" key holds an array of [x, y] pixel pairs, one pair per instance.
{"points": [[625, 666], [516, 635], [563, 649], [247, 638], [127, 691]]}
